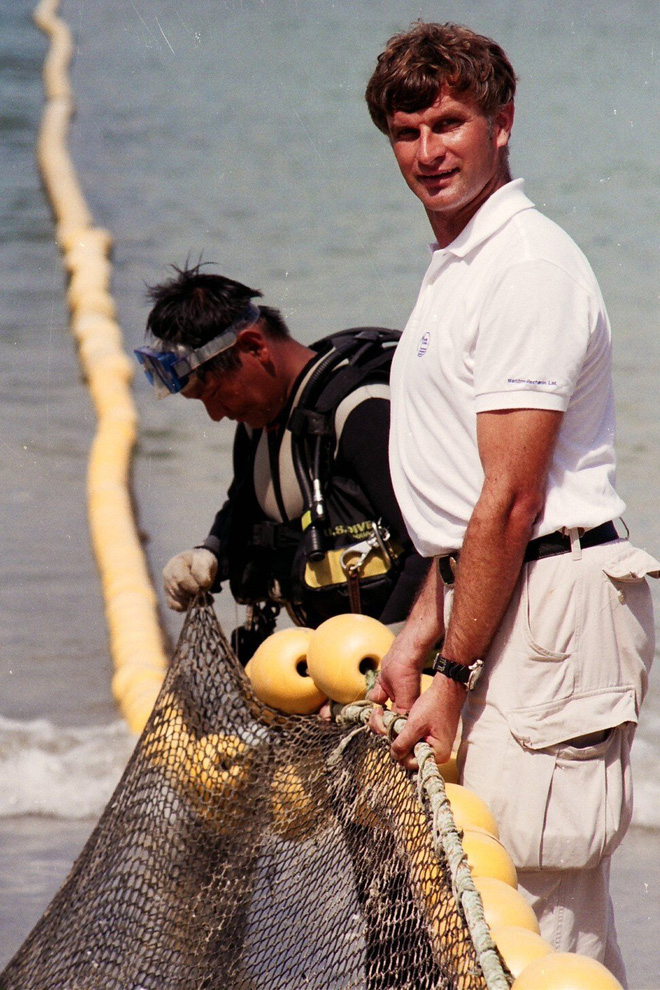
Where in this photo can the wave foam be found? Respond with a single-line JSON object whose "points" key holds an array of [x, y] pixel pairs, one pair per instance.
{"points": [[71, 773], [67, 773]]}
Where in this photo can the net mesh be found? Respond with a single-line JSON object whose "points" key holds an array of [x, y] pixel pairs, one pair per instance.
{"points": [[250, 850]]}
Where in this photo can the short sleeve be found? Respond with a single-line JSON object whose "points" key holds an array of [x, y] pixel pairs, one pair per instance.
{"points": [[532, 340]]}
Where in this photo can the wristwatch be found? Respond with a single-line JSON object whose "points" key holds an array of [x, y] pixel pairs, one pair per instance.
{"points": [[465, 674]]}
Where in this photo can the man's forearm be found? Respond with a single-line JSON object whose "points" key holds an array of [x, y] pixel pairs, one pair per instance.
{"points": [[425, 625], [490, 562]]}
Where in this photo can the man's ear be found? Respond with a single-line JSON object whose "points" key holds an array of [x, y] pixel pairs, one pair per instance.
{"points": [[504, 124], [253, 341]]}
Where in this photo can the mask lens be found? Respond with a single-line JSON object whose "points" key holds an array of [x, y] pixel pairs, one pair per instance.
{"points": [[159, 368]]}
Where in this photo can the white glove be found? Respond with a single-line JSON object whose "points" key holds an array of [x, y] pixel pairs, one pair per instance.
{"points": [[186, 574]]}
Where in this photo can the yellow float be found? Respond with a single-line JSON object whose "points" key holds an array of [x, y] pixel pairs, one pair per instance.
{"points": [[168, 735], [295, 801], [96, 240], [487, 857], [565, 971], [278, 673], [107, 371], [206, 771], [519, 947], [217, 767], [343, 650], [504, 905], [469, 810], [449, 770]]}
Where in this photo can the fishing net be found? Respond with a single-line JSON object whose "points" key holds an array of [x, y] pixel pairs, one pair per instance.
{"points": [[245, 849]]}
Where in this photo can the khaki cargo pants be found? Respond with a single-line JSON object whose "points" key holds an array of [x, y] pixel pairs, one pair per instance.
{"points": [[548, 730]]}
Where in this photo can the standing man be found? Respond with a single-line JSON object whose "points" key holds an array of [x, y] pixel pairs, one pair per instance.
{"points": [[502, 460], [310, 522]]}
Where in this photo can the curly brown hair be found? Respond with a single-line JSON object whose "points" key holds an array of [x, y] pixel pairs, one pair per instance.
{"points": [[418, 63]]}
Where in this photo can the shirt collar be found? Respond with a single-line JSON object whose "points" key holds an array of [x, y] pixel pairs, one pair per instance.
{"points": [[495, 212]]}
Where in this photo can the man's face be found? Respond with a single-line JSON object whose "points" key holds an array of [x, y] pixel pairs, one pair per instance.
{"points": [[451, 156], [248, 394]]}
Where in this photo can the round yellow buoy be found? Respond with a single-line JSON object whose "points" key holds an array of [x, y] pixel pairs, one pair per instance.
{"points": [[519, 947], [449, 770], [503, 905], [278, 673], [469, 810], [219, 763], [206, 771], [343, 650], [487, 857], [94, 239], [565, 971], [168, 737], [96, 301], [295, 802]]}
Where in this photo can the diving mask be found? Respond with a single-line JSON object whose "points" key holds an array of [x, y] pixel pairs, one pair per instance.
{"points": [[169, 370]]}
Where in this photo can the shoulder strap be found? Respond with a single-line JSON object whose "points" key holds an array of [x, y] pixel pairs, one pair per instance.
{"points": [[364, 353], [358, 354]]}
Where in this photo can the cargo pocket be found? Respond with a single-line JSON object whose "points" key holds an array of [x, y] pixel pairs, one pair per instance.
{"points": [[632, 610], [512, 779], [632, 566], [550, 612], [589, 801]]}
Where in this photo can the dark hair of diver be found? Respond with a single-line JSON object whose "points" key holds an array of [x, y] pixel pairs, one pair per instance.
{"points": [[193, 307]]}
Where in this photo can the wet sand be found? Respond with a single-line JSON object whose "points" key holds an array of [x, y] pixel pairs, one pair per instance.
{"points": [[45, 850]]}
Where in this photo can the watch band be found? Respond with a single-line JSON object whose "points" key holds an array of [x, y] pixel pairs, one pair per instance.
{"points": [[465, 674]]}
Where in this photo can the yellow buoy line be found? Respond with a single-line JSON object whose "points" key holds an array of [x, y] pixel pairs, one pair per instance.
{"points": [[136, 640]]}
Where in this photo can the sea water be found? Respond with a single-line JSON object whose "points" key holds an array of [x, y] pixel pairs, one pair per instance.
{"points": [[236, 132]]}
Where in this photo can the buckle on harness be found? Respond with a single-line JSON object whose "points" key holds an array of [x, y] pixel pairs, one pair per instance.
{"points": [[378, 539], [352, 560]]}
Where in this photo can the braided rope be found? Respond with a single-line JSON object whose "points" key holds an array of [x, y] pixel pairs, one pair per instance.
{"points": [[446, 837]]}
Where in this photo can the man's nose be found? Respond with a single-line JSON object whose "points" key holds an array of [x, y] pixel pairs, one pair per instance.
{"points": [[430, 148], [214, 408]]}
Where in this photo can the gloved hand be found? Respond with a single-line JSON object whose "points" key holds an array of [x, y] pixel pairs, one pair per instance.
{"points": [[186, 574]]}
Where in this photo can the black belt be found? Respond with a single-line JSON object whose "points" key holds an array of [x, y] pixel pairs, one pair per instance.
{"points": [[543, 546], [556, 543]]}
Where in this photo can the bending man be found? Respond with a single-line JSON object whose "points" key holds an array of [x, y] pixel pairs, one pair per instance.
{"points": [[310, 521]]}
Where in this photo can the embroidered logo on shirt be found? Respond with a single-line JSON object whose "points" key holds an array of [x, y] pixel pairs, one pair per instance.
{"points": [[424, 344], [532, 381]]}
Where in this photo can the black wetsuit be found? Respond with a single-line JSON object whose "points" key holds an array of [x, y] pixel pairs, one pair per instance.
{"points": [[357, 488]]}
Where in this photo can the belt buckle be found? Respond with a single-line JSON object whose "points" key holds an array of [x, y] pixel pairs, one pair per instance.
{"points": [[447, 568]]}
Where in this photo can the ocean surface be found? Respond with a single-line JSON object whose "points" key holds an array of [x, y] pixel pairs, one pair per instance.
{"points": [[236, 132]]}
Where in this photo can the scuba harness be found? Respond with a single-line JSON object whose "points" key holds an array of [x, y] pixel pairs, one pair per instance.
{"points": [[334, 548], [365, 353]]}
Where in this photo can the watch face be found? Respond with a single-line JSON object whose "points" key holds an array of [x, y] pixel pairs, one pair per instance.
{"points": [[475, 673]]}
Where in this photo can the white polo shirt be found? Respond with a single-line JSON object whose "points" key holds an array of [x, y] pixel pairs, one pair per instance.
{"points": [[509, 316]]}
